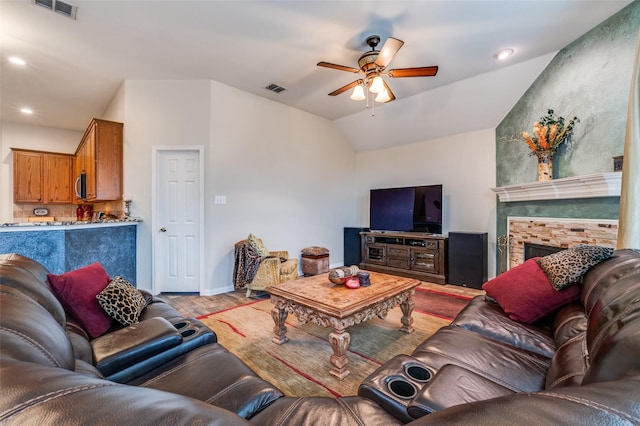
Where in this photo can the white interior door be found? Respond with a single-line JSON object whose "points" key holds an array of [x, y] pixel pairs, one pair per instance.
{"points": [[177, 221]]}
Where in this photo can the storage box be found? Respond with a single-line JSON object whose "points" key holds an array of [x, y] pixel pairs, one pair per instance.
{"points": [[315, 261]]}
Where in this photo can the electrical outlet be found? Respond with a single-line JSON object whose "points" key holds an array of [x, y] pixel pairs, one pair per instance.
{"points": [[220, 199]]}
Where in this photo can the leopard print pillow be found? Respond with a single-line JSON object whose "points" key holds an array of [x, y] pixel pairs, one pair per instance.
{"points": [[568, 266], [122, 301]]}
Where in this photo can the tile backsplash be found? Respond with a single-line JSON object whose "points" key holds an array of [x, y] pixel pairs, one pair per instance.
{"points": [[65, 212]]}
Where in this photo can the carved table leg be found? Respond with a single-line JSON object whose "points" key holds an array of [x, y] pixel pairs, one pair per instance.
{"points": [[339, 340], [280, 330], [407, 310]]}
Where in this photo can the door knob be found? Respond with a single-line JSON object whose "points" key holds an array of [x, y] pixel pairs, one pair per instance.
{"points": [[163, 229]]}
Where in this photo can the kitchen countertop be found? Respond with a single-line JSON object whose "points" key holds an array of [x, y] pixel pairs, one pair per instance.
{"points": [[60, 225]]}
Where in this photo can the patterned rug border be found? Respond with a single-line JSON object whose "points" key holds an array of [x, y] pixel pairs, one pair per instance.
{"points": [[252, 302], [445, 293], [423, 290]]}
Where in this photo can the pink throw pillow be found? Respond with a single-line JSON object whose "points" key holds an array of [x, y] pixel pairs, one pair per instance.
{"points": [[77, 291], [526, 294]]}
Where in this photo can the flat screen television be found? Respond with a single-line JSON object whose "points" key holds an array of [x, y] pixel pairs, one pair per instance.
{"points": [[410, 209]]}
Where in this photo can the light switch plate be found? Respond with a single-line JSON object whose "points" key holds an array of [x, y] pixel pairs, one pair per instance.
{"points": [[220, 199]]}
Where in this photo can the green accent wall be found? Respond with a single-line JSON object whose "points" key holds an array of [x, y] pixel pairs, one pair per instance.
{"points": [[590, 79]]}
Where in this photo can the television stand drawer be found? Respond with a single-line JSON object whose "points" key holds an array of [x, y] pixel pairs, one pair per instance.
{"points": [[402, 263], [398, 251]]}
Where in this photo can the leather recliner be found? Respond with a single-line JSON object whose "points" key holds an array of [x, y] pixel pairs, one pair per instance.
{"points": [[578, 366]]}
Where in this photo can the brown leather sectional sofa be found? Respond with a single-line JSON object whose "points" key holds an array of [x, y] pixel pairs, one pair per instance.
{"points": [[580, 367]]}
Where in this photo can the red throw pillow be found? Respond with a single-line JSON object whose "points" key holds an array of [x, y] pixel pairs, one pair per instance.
{"points": [[526, 294], [77, 291]]}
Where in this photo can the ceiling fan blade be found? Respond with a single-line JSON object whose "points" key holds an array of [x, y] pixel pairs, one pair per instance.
{"points": [[413, 72], [388, 51], [337, 67], [391, 95], [345, 88]]}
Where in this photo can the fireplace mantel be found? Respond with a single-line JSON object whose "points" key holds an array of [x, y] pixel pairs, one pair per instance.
{"points": [[587, 186]]}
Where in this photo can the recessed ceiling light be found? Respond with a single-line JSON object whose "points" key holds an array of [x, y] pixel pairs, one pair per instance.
{"points": [[28, 111], [18, 61], [503, 54]]}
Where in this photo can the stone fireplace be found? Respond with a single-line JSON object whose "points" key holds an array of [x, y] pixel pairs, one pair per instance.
{"points": [[548, 233], [556, 233]]}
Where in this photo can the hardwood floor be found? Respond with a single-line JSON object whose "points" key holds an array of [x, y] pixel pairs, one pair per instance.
{"points": [[193, 306]]}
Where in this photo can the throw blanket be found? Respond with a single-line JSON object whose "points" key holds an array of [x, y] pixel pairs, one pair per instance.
{"points": [[245, 264]]}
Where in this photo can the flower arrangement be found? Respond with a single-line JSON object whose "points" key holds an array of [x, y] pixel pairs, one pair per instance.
{"points": [[549, 133]]}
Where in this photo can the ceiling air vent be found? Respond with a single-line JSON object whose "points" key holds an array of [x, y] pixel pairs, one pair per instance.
{"points": [[61, 7], [275, 88]]}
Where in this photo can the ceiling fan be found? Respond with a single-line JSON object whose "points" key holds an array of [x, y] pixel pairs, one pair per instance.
{"points": [[373, 64]]}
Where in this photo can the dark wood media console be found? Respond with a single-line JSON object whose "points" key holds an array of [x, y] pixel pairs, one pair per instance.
{"points": [[408, 254]]}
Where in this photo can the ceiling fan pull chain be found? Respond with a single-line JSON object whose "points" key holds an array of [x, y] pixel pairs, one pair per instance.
{"points": [[366, 94], [373, 107]]}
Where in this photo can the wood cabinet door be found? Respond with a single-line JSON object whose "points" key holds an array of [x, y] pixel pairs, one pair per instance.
{"points": [[78, 168], [108, 153], [425, 260], [376, 254], [58, 178], [28, 175], [89, 153]]}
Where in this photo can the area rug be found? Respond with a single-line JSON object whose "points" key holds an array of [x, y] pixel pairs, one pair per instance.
{"points": [[440, 304], [301, 366]]}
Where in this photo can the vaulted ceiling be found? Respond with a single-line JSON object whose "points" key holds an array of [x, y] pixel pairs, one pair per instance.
{"points": [[74, 67]]}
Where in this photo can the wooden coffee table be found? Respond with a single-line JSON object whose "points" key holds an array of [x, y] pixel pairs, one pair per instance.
{"points": [[318, 300]]}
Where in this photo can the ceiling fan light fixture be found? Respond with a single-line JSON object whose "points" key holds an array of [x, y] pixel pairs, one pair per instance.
{"points": [[383, 96], [358, 93], [377, 85]]}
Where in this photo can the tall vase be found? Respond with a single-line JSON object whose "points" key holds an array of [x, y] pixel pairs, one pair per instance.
{"points": [[545, 165]]}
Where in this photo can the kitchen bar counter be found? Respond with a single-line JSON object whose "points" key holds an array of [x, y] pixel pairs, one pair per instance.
{"points": [[64, 246], [68, 225]]}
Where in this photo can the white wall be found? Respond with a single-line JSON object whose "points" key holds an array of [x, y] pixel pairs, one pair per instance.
{"points": [[289, 176], [156, 113], [464, 164], [15, 135]]}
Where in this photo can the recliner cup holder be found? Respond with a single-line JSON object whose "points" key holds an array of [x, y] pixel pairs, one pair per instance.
{"points": [[188, 332], [396, 383], [417, 372], [401, 388], [181, 324]]}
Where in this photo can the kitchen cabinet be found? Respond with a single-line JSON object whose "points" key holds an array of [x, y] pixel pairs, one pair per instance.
{"points": [[99, 162], [41, 177], [28, 177], [58, 170]]}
